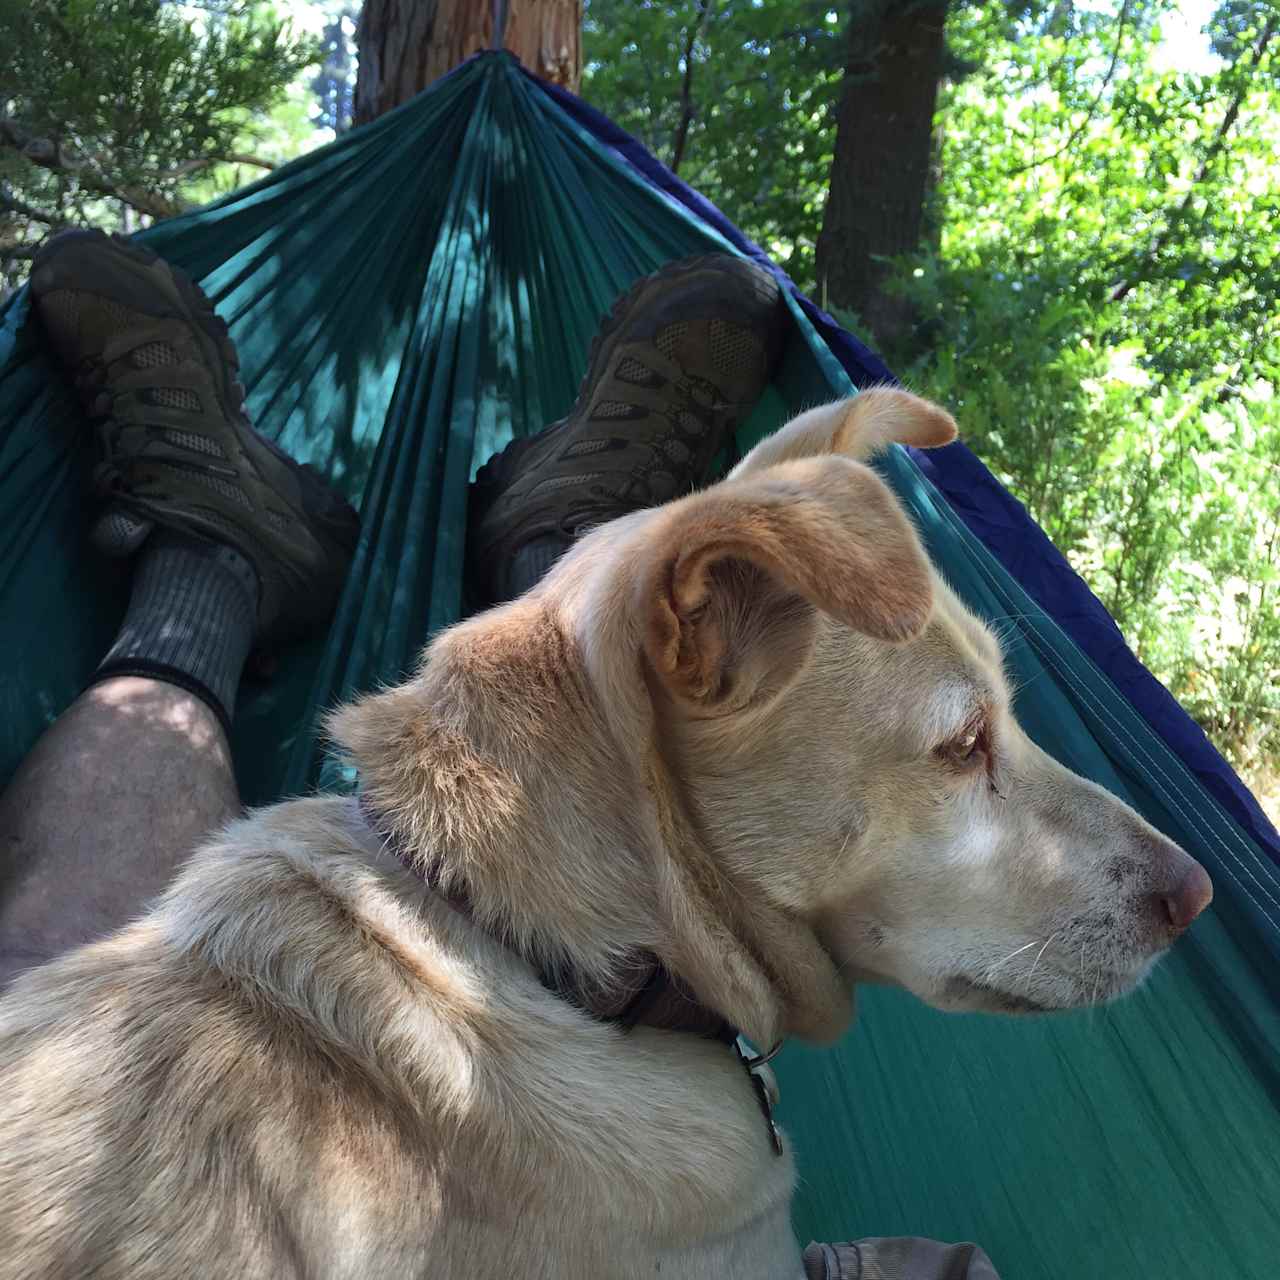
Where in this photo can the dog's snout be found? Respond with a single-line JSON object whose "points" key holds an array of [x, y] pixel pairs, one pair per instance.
{"points": [[1188, 898], [1176, 889], [1176, 898]]}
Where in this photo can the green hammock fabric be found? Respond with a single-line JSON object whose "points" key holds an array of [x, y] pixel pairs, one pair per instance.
{"points": [[404, 301]]}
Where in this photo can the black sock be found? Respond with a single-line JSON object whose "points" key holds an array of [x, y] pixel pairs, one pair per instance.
{"points": [[191, 619]]}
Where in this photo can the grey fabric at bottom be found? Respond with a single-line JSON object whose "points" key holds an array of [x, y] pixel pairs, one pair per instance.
{"points": [[191, 619], [897, 1258]]}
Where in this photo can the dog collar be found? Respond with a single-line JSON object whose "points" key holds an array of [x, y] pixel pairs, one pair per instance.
{"points": [[652, 996]]}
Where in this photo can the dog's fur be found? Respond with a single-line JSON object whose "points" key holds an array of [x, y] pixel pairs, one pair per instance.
{"points": [[750, 732]]}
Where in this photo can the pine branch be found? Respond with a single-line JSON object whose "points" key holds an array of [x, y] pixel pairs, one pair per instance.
{"points": [[193, 166], [48, 153]]}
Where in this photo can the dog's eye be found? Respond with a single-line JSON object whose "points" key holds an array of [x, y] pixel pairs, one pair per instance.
{"points": [[967, 750]]}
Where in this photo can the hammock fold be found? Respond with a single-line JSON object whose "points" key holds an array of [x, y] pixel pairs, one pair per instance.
{"points": [[410, 297]]}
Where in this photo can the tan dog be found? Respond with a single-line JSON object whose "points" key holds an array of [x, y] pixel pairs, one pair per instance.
{"points": [[750, 733]]}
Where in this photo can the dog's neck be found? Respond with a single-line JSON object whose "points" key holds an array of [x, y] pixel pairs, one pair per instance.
{"points": [[642, 991]]}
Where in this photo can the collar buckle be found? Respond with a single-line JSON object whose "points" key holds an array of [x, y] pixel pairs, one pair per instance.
{"points": [[764, 1082]]}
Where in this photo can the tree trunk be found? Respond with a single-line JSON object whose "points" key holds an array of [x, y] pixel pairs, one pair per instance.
{"points": [[884, 149], [404, 45]]}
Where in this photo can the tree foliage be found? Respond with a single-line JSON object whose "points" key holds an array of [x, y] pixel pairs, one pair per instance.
{"points": [[109, 106]]}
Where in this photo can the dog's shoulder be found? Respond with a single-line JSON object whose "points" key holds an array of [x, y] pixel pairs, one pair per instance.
{"points": [[131, 1095], [202, 1092]]}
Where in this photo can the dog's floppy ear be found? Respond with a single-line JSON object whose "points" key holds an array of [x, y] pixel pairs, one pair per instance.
{"points": [[726, 568], [857, 427]]}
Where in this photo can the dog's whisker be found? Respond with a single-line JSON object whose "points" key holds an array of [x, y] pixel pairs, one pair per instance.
{"points": [[1040, 953], [991, 972], [1097, 984], [1018, 686], [848, 835]]}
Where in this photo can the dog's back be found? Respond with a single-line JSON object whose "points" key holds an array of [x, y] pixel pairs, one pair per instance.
{"points": [[274, 1075], [125, 1142]]}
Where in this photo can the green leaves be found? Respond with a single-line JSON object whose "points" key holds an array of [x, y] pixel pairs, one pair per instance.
{"points": [[1104, 322]]}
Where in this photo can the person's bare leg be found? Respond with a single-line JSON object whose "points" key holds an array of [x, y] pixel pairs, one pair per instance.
{"points": [[109, 803], [137, 771]]}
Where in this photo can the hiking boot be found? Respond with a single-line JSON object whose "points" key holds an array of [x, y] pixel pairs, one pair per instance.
{"points": [[156, 366], [677, 365]]}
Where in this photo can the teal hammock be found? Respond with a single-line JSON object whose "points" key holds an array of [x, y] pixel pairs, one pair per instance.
{"points": [[409, 298]]}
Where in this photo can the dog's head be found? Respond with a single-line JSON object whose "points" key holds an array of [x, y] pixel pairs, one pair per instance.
{"points": [[768, 742]]}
